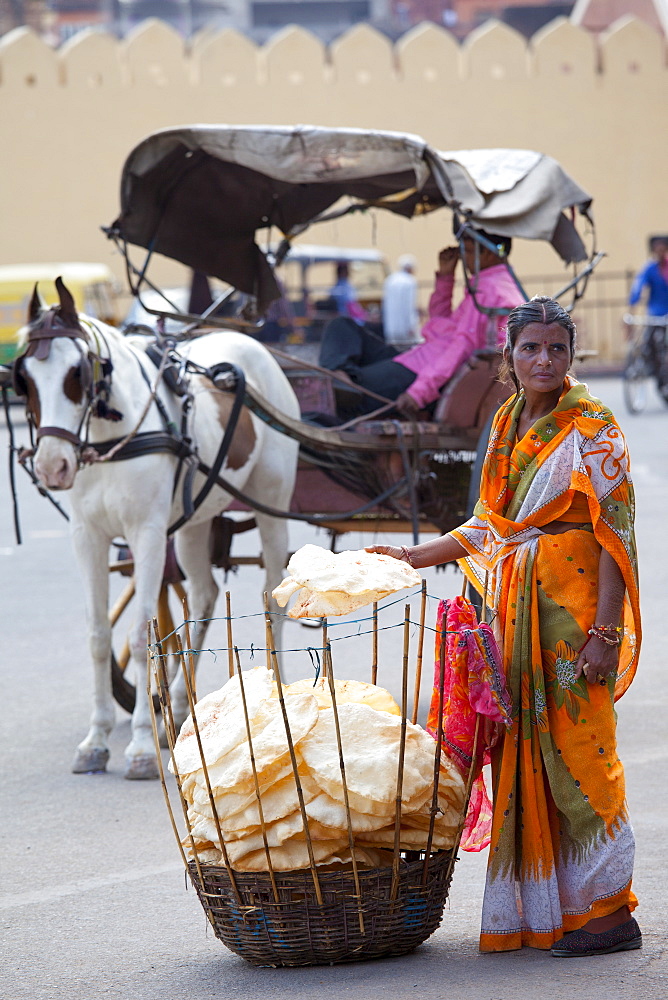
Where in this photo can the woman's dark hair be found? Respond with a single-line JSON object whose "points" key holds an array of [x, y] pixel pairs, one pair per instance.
{"points": [[540, 309]]}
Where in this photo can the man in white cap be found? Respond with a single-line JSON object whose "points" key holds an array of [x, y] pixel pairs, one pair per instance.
{"points": [[400, 313]]}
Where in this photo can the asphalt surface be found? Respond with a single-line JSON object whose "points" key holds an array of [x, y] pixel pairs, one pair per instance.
{"points": [[93, 901]]}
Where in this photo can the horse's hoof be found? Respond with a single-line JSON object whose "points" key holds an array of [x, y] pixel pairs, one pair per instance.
{"points": [[91, 761], [142, 768]]}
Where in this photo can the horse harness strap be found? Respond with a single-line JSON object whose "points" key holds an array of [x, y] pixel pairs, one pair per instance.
{"points": [[150, 442], [144, 443], [235, 378], [41, 339], [225, 376], [58, 432], [155, 357], [165, 360]]}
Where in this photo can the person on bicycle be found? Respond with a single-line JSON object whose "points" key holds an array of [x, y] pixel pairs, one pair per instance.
{"points": [[654, 277]]}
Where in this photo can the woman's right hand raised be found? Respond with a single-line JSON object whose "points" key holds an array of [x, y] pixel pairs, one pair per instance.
{"points": [[447, 261], [396, 551]]}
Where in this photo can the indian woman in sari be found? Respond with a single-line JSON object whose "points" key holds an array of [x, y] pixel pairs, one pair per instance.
{"points": [[553, 533]]}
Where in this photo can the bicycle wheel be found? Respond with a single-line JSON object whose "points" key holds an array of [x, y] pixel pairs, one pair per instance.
{"points": [[635, 381], [662, 363]]}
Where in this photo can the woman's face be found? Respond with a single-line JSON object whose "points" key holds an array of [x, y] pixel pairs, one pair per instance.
{"points": [[541, 357]]}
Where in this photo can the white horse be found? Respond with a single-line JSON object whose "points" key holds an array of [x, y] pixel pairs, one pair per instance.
{"points": [[79, 374]]}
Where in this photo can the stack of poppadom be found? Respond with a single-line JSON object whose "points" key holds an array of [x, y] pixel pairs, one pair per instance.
{"points": [[370, 726]]}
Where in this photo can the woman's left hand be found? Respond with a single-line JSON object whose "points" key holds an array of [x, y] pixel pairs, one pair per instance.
{"points": [[407, 406], [597, 661], [396, 551]]}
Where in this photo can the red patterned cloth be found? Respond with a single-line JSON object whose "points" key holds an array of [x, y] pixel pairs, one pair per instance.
{"points": [[473, 684]]}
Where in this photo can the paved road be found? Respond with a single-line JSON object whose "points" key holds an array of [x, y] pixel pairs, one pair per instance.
{"points": [[93, 902]]}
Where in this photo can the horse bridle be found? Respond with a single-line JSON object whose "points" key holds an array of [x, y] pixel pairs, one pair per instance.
{"points": [[40, 336]]}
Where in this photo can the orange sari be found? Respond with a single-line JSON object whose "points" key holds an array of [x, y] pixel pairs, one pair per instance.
{"points": [[562, 846]]}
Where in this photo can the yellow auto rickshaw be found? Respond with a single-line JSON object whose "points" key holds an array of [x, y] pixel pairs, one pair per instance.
{"points": [[92, 286]]}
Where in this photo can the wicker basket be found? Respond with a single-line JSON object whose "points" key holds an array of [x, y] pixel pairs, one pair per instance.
{"points": [[316, 916], [296, 930]]}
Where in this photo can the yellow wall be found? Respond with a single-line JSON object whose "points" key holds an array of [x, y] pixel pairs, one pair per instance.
{"points": [[69, 118]]}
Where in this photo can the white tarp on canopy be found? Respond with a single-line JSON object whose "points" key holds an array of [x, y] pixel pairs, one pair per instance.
{"points": [[199, 194]]}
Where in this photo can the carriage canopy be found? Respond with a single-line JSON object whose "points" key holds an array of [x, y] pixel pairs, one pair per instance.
{"points": [[199, 194]]}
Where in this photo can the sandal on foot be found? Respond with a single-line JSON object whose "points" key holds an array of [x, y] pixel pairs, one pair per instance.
{"points": [[580, 943]]}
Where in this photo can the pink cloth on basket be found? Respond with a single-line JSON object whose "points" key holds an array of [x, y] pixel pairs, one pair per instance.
{"points": [[473, 684]]}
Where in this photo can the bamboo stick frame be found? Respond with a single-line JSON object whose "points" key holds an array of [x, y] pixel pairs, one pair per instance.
{"points": [[288, 734], [156, 740], [325, 644], [212, 801], [402, 753], [437, 752], [474, 753], [164, 617], [161, 771], [230, 641], [168, 721], [420, 649], [191, 656], [256, 782], [342, 767], [180, 592], [374, 644], [467, 795], [162, 686]]}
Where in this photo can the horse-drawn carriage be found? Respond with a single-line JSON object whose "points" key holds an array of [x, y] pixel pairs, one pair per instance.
{"points": [[214, 411], [203, 196]]}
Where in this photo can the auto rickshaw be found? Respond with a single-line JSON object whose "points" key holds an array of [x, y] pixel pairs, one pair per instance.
{"points": [[92, 285]]}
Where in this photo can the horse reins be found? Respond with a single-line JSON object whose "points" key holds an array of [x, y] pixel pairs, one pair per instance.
{"points": [[138, 443]]}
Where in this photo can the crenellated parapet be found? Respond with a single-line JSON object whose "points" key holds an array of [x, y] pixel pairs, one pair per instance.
{"points": [[69, 117]]}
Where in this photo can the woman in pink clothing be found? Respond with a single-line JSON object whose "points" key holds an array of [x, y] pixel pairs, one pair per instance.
{"points": [[415, 377]]}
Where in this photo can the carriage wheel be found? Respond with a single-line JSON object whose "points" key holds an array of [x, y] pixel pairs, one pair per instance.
{"points": [[635, 381], [123, 689]]}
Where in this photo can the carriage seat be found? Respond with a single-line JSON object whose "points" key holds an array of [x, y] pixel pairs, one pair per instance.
{"points": [[464, 405], [473, 392]]}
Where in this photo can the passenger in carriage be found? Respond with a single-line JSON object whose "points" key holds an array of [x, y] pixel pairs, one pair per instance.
{"points": [[415, 377], [344, 296]]}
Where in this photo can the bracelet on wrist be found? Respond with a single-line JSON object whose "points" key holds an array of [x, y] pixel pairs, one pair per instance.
{"points": [[406, 556], [597, 633]]}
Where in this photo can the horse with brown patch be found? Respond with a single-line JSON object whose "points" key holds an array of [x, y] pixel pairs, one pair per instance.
{"points": [[85, 385]]}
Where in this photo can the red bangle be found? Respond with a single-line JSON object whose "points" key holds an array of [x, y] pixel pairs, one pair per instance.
{"points": [[608, 640]]}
